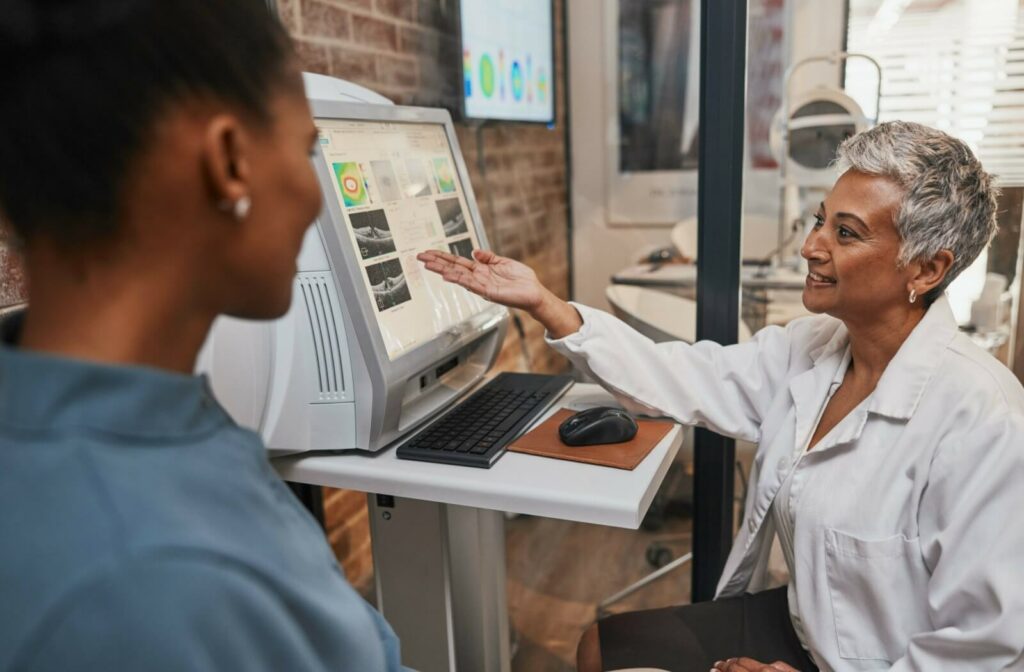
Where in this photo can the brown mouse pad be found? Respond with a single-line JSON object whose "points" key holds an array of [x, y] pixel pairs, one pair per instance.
{"points": [[543, 440]]}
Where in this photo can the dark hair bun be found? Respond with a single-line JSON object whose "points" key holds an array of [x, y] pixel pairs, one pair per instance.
{"points": [[31, 24]]}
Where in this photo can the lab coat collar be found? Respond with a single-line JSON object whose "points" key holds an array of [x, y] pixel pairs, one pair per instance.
{"points": [[905, 379], [809, 389], [899, 390]]}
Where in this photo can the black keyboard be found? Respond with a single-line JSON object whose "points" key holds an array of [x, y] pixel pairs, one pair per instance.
{"points": [[476, 432]]}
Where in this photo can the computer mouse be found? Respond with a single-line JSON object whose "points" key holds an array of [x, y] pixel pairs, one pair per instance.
{"points": [[594, 426]]}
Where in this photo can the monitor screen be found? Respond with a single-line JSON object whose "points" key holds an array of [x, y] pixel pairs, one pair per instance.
{"points": [[507, 60], [398, 185]]}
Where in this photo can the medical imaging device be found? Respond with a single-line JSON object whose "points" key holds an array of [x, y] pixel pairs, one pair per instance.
{"points": [[373, 345]]}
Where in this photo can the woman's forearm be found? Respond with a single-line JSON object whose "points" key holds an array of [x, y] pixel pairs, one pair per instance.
{"points": [[559, 318]]}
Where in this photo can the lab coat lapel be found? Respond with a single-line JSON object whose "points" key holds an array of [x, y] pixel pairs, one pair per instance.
{"points": [[899, 389], [905, 379], [810, 388]]}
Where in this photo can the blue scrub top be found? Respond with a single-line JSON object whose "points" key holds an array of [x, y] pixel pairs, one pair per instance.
{"points": [[142, 529]]}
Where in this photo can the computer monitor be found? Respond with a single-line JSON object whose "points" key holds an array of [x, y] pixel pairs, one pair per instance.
{"points": [[508, 67], [373, 345], [396, 187]]}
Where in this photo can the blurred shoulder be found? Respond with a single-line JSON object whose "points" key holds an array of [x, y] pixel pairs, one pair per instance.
{"points": [[164, 612], [971, 372], [809, 335]]}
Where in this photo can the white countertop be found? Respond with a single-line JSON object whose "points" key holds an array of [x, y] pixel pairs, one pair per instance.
{"points": [[517, 482]]}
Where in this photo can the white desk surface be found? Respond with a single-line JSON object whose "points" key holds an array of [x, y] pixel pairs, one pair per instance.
{"points": [[517, 482]]}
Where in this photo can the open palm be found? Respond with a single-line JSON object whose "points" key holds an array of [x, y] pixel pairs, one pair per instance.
{"points": [[495, 278]]}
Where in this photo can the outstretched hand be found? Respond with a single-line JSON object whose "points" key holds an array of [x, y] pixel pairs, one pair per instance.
{"points": [[495, 278], [507, 282]]}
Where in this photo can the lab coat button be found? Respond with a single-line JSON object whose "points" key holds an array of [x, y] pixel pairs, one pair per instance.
{"points": [[782, 464]]}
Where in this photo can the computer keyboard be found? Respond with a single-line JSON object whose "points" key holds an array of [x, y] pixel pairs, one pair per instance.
{"points": [[476, 432]]}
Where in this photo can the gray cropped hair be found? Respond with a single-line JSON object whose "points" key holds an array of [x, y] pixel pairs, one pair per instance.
{"points": [[949, 201]]}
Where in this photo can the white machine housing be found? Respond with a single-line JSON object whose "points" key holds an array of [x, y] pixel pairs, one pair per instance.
{"points": [[320, 378]]}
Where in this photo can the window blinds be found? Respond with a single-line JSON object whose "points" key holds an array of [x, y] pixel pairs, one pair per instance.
{"points": [[957, 65]]}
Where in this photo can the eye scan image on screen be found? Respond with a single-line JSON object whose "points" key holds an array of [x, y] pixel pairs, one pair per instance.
{"points": [[507, 60], [397, 186]]}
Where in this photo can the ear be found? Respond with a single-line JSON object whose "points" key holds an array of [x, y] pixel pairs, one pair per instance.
{"points": [[931, 272], [226, 161]]}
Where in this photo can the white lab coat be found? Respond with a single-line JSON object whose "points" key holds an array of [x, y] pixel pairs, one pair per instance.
{"points": [[909, 539]]}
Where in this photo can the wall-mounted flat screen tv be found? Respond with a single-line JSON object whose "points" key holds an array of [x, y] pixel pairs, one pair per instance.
{"points": [[508, 60]]}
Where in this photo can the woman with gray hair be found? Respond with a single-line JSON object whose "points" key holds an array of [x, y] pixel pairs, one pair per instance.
{"points": [[891, 448]]}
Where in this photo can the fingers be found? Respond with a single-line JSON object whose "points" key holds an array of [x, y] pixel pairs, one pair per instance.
{"points": [[485, 256], [439, 264], [436, 256], [444, 259], [456, 269]]}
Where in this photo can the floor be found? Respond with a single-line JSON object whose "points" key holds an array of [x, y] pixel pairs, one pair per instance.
{"points": [[559, 571]]}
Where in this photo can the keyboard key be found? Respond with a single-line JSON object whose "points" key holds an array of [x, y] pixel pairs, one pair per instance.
{"points": [[511, 420]]}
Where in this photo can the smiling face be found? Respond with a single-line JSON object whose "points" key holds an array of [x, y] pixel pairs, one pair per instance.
{"points": [[853, 250]]}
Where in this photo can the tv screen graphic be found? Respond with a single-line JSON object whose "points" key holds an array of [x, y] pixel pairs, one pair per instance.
{"points": [[508, 60]]}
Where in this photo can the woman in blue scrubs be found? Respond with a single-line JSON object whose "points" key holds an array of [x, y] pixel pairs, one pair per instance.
{"points": [[154, 170]]}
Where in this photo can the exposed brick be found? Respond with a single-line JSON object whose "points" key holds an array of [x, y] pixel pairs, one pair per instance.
{"points": [[356, 66], [314, 57], [494, 162], [511, 210], [419, 41], [545, 180], [322, 20], [400, 9], [553, 156], [365, 5], [397, 71], [288, 12], [375, 33]]}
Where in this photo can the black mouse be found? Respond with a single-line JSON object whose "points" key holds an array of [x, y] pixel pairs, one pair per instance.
{"points": [[594, 426]]}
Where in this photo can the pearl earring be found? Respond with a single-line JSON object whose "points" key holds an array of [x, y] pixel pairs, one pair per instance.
{"points": [[241, 208], [913, 295]]}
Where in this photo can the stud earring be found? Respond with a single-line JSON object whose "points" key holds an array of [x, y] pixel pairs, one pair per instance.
{"points": [[913, 295], [241, 208]]}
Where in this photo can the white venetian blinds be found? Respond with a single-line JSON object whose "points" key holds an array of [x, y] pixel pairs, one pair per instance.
{"points": [[957, 65]]}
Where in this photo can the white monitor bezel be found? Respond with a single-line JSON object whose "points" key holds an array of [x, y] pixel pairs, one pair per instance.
{"points": [[345, 262]]}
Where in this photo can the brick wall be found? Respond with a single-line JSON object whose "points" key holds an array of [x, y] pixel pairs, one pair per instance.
{"points": [[408, 50]]}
